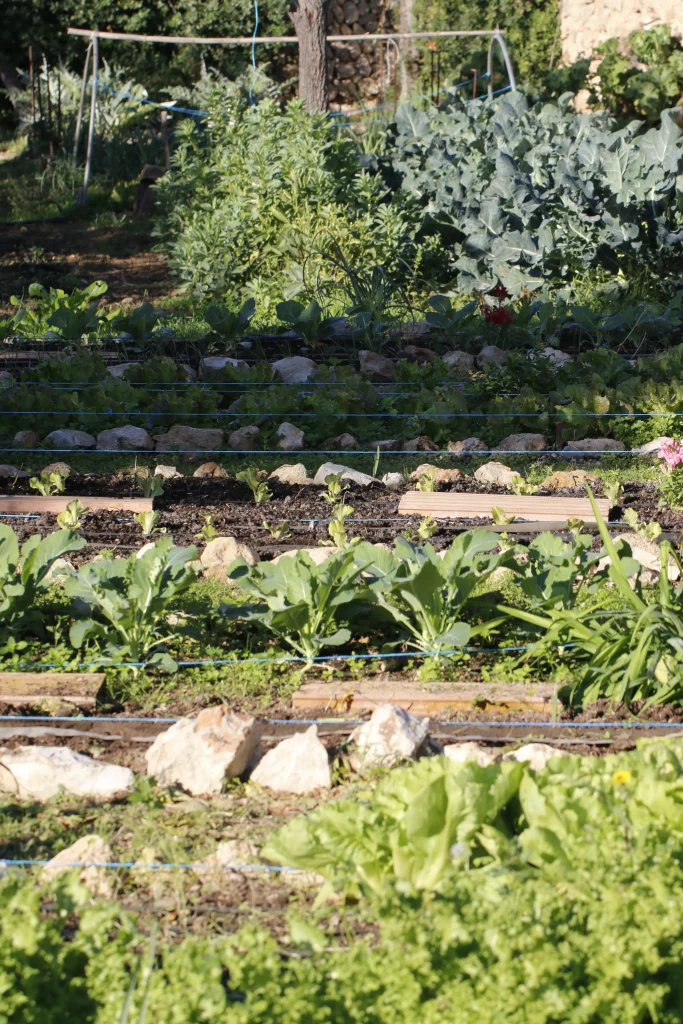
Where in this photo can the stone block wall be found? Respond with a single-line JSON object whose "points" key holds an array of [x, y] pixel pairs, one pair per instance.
{"points": [[585, 23], [359, 71]]}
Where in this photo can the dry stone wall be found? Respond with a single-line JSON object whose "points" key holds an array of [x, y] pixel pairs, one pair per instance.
{"points": [[359, 71], [586, 23]]}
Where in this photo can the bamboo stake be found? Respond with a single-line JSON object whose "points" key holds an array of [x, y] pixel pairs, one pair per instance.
{"points": [[93, 111], [81, 105], [247, 40]]}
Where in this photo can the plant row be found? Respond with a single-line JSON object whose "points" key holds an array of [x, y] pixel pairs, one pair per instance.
{"points": [[565, 602]]}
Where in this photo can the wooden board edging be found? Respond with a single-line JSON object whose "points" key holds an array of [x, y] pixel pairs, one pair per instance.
{"points": [[452, 505], [366, 696], [30, 503], [32, 687]]}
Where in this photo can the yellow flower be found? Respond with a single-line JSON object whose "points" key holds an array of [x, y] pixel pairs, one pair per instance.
{"points": [[621, 778]]}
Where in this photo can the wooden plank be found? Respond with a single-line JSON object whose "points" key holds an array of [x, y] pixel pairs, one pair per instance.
{"points": [[31, 687], [366, 695], [472, 506], [37, 503]]}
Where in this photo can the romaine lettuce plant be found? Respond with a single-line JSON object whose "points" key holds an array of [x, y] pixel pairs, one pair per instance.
{"points": [[24, 574], [129, 599]]}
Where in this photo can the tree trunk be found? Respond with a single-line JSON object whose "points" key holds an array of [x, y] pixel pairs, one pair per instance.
{"points": [[408, 51], [308, 17]]}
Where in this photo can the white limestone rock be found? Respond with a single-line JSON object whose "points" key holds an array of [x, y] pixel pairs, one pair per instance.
{"points": [[353, 475], [392, 735], [298, 764], [37, 773]]}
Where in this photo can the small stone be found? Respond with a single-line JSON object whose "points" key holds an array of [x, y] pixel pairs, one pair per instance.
{"points": [[422, 356], [422, 443], [496, 473], [244, 439], [26, 439], [298, 764], [536, 755], [188, 371], [199, 753], [88, 850], [458, 361], [469, 751], [119, 369], [491, 355], [167, 472], [340, 441], [595, 444], [318, 555], [295, 369], [209, 366], [521, 443], [645, 551], [372, 364], [418, 329], [231, 853], [210, 469], [125, 437], [189, 438], [385, 446], [292, 437], [556, 357], [221, 552], [650, 448], [470, 444], [70, 439], [394, 481], [567, 478], [12, 471], [295, 475], [37, 773], [353, 475], [391, 735], [60, 570], [63, 468], [441, 476]]}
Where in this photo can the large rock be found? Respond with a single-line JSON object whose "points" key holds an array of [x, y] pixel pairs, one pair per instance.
{"points": [[649, 448], [189, 439], [389, 445], [220, 552], [422, 356], [167, 472], [646, 552], [333, 468], [496, 473], [422, 443], [244, 439], [70, 439], [89, 852], [295, 369], [556, 357], [37, 773], [521, 443], [470, 444], [536, 755], [567, 478], [292, 438], [391, 735], [26, 439], [458, 361], [295, 475], [125, 437], [63, 468], [469, 751], [595, 444], [200, 753], [372, 364], [211, 470], [441, 476], [298, 764], [491, 355], [211, 365], [13, 472], [119, 369], [341, 441]]}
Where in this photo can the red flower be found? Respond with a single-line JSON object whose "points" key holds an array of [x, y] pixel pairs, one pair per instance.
{"points": [[499, 292], [497, 315]]}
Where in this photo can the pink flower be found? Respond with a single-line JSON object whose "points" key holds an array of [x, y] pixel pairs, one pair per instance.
{"points": [[671, 452]]}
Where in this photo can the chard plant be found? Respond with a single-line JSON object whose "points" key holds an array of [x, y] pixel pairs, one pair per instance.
{"points": [[300, 602], [24, 575], [129, 600]]}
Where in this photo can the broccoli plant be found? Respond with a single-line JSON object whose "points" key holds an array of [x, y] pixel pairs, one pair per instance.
{"points": [[24, 573], [129, 600]]}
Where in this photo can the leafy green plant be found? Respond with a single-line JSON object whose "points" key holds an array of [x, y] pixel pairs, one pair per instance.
{"points": [[140, 322], [152, 485], [24, 575], [305, 320], [671, 488], [651, 531], [302, 603], [500, 517], [130, 599], [72, 314], [335, 489], [427, 527], [255, 481], [48, 484], [445, 318], [427, 595], [337, 527], [614, 491], [147, 521], [426, 482], [278, 531], [230, 326], [208, 531], [520, 486], [70, 518]]}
